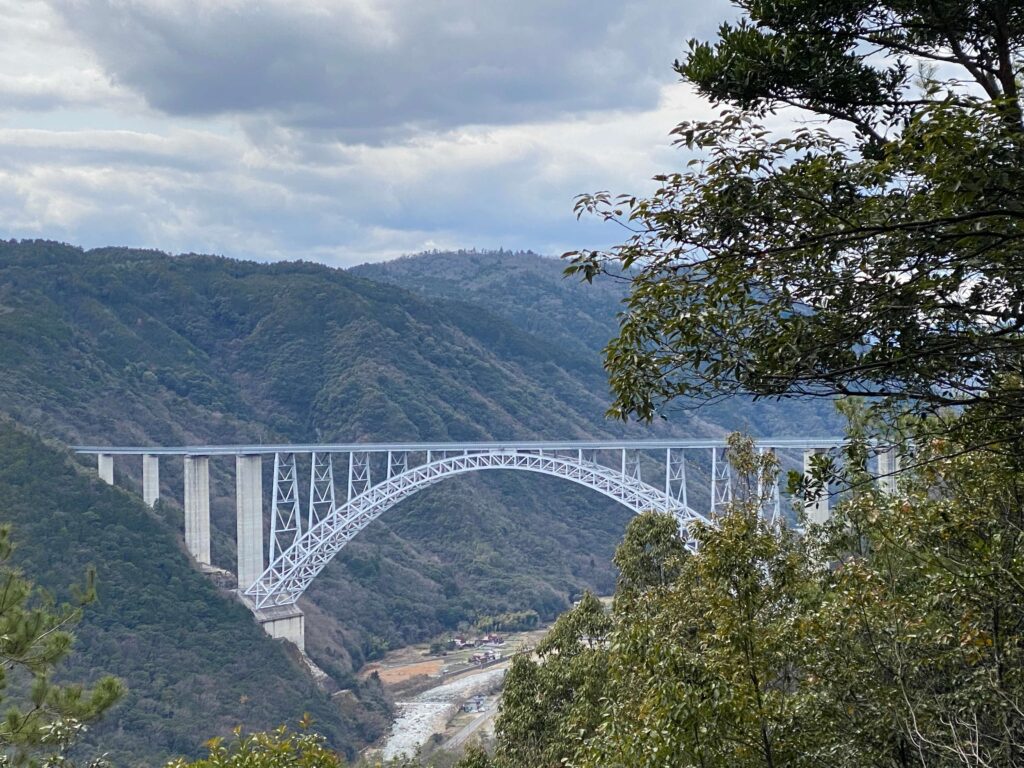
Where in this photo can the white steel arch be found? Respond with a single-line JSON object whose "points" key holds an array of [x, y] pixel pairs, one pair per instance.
{"points": [[291, 573]]}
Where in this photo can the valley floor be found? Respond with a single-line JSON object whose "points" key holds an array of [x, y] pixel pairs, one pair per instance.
{"points": [[432, 693]]}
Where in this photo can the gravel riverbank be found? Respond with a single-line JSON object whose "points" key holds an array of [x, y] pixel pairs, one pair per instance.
{"points": [[429, 712]]}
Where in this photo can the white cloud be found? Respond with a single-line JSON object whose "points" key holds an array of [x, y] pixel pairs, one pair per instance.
{"points": [[241, 127], [44, 66]]}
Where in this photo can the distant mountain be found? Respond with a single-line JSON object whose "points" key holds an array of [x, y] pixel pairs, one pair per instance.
{"points": [[126, 346], [526, 289], [131, 345], [532, 292]]}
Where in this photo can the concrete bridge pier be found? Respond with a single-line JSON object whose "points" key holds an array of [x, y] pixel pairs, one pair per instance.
{"points": [[197, 507], [285, 622], [818, 510], [888, 467], [150, 479], [105, 467], [249, 518]]}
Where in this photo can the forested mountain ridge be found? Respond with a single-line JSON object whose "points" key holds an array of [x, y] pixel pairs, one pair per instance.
{"points": [[194, 662], [531, 292], [296, 348], [126, 346], [524, 288]]}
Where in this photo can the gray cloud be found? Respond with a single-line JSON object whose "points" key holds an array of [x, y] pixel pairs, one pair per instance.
{"points": [[341, 131], [188, 190], [367, 67]]}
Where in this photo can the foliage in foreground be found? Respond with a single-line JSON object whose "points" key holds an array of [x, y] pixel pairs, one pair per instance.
{"points": [[873, 250], [280, 748], [35, 637], [894, 636]]}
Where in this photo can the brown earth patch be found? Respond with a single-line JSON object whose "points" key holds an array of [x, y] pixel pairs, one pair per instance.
{"points": [[400, 674]]}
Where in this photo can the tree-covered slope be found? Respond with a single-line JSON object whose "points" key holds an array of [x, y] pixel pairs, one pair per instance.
{"points": [[123, 346], [131, 345], [532, 293], [524, 288], [194, 661], [117, 346]]}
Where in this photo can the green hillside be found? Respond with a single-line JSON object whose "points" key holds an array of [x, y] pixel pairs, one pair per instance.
{"points": [[130, 345], [136, 347], [194, 662], [532, 293], [524, 288], [125, 346]]}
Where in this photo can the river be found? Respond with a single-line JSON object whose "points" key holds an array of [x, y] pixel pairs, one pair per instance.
{"points": [[429, 712]]}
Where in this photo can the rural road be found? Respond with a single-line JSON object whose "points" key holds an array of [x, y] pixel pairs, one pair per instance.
{"points": [[470, 728]]}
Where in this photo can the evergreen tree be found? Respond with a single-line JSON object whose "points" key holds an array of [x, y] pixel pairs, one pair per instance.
{"points": [[704, 671], [921, 657], [475, 756], [891, 636], [42, 718], [551, 705], [650, 556]]}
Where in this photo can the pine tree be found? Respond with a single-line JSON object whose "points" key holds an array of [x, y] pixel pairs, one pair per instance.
{"points": [[43, 719]]}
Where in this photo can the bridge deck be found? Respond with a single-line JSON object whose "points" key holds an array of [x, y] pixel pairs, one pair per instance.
{"points": [[508, 445]]}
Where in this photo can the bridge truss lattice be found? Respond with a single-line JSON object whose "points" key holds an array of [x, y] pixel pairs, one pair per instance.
{"points": [[614, 471]]}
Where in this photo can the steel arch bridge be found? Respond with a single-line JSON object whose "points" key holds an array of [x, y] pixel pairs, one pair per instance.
{"points": [[291, 573], [273, 573]]}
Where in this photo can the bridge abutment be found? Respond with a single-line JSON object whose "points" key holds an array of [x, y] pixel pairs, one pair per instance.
{"points": [[150, 479], [284, 622], [197, 507], [249, 518]]}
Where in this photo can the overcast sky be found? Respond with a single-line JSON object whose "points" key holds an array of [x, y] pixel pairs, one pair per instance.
{"points": [[336, 130]]}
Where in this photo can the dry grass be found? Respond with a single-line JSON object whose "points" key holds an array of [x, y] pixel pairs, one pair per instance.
{"points": [[400, 674]]}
